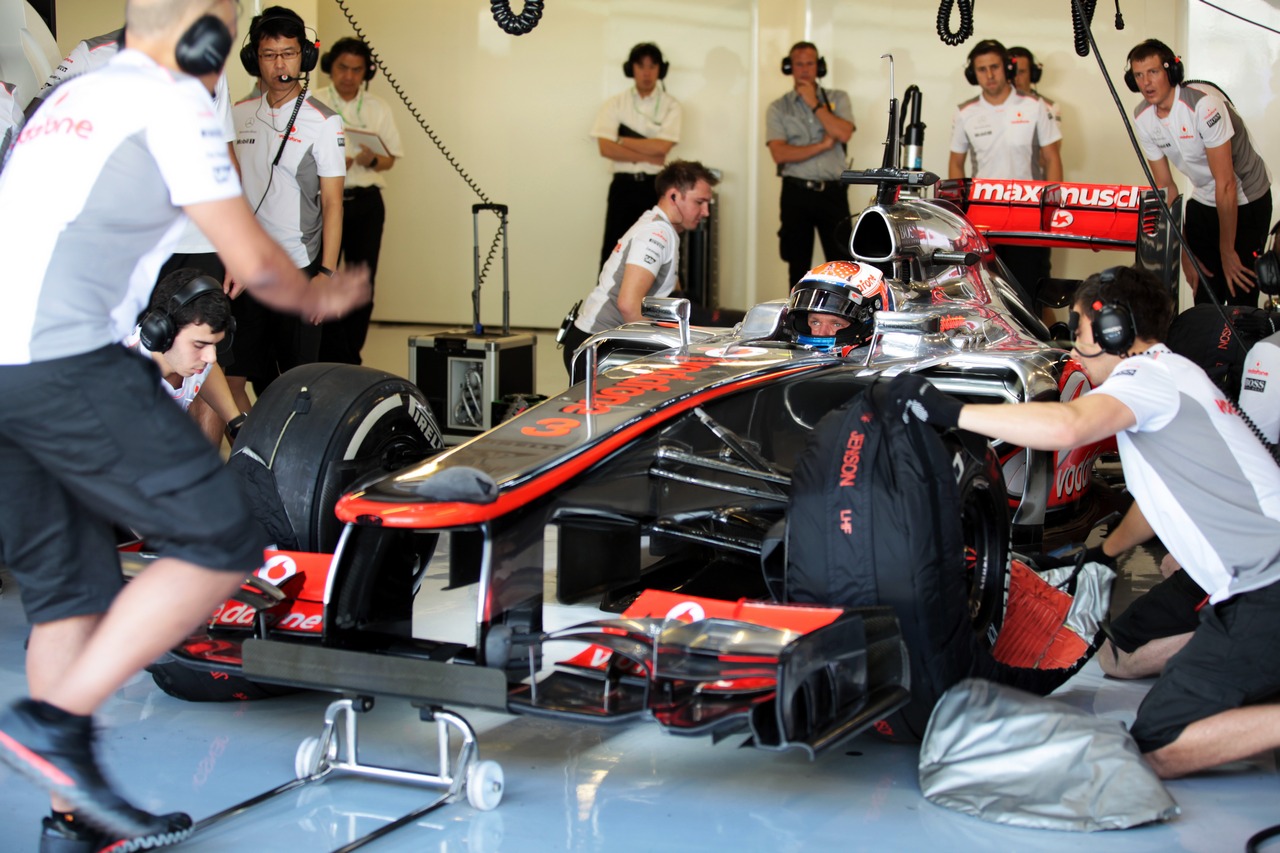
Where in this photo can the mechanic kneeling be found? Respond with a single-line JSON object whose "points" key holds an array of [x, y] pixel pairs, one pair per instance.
{"points": [[1207, 486]]}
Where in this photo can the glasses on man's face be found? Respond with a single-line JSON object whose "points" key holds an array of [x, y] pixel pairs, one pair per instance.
{"points": [[273, 55]]}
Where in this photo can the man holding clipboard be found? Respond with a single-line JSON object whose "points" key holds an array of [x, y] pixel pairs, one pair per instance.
{"points": [[373, 146]]}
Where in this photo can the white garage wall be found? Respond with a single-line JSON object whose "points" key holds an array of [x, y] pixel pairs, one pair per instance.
{"points": [[515, 112]]}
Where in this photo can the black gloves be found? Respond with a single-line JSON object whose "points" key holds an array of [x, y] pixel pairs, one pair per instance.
{"points": [[1095, 554], [912, 394]]}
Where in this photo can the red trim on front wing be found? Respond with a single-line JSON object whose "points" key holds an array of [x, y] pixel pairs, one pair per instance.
{"points": [[438, 516]]}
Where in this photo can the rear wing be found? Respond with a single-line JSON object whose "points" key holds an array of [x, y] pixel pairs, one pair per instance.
{"points": [[1116, 217]]}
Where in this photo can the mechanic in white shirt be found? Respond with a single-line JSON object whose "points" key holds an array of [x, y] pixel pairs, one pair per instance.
{"points": [[349, 64], [294, 185], [1024, 82], [1006, 135], [1197, 130], [635, 130], [189, 322], [1204, 484], [645, 261], [10, 118]]}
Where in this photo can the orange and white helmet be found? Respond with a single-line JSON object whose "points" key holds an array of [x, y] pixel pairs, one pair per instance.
{"points": [[846, 289]]}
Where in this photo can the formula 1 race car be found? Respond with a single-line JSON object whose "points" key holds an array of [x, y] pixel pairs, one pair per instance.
{"points": [[666, 472]]}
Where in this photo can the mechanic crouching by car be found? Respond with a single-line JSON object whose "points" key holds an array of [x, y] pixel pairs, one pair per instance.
{"points": [[1204, 482], [646, 261], [832, 308]]}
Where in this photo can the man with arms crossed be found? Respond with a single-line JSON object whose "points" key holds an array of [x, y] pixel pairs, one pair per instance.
{"points": [[81, 266]]}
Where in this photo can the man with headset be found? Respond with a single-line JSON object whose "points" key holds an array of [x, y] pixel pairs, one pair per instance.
{"points": [[187, 324], [1005, 134], [294, 180], [1190, 126], [349, 64], [90, 204], [646, 259], [1203, 482], [1028, 75], [806, 131], [635, 130]]}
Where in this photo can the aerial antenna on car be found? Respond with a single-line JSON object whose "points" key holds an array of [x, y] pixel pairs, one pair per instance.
{"points": [[891, 141]]}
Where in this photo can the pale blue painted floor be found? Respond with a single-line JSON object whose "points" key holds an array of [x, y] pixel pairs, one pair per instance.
{"points": [[573, 787]]}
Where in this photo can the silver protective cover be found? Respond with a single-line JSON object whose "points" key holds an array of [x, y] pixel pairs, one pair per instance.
{"points": [[1011, 757]]}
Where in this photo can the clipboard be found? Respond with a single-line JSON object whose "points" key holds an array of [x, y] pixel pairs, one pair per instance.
{"points": [[357, 137]]}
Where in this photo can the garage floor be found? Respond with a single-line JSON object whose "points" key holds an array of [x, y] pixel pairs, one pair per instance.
{"points": [[576, 787]]}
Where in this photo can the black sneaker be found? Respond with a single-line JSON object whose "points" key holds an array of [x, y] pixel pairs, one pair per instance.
{"points": [[76, 836], [55, 750]]}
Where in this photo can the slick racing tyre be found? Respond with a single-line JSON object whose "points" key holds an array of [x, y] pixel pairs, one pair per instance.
{"points": [[321, 427], [318, 429], [884, 511]]}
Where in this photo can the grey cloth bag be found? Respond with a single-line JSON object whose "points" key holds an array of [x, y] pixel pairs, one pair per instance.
{"points": [[1011, 757]]}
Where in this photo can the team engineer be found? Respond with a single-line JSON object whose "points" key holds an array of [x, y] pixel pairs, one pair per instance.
{"points": [[1206, 486], [79, 267]]}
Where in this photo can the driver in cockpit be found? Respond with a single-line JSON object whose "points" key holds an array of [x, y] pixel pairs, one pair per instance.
{"points": [[832, 309]]}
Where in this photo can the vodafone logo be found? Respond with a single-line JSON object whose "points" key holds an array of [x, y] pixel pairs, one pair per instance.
{"points": [[1061, 219], [736, 352], [278, 569]]}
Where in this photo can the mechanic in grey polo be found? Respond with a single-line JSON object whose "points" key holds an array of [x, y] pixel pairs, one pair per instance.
{"points": [[806, 131]]}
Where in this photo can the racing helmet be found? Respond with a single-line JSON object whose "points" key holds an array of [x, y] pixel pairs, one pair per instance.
{"points": [[846, 289]]}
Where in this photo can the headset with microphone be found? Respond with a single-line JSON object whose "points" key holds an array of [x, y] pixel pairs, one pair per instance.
{"points": [[991, 46], [204, 47], [293, 27], [158, 329], [1036, 69], [1172, 63], [1113, 326]]}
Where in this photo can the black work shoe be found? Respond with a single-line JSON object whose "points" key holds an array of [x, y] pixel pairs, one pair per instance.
{"points": [[55, 750], [76, 836]]}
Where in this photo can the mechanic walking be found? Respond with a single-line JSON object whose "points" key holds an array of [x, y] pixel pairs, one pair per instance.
{"points": [[806, 131], [80, 267], [1229, 211], [1205, 484]]}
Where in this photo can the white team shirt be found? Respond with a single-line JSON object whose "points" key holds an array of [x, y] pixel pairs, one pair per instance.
{"points": [[1260, 386], [1201, 119], [88, 55], [370, 113], [653, 243], [193, 241], [287, 196], [1003, 140], [656, 117], [1208, 487], [185, 393], [1055, 113], [10, 117], [89, 204]]}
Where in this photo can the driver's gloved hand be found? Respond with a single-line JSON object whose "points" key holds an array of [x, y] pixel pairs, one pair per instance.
{"points": [[912, 395], [1094, 554]]}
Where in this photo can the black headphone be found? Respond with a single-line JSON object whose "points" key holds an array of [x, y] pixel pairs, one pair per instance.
{"points": [[349, 45], [158, 329], [991, 46], [639, 52], [1172, 63], [249, 52], [204, 47], [822, 60], [1267, 267], [1113, 326], [1035, 68]]}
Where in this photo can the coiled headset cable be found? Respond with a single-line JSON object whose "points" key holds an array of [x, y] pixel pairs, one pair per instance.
{"points": [[965, 32], [422, 123]]}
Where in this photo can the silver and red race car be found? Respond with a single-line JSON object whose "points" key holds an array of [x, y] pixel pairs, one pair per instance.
{"points": [[662, 471]]}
